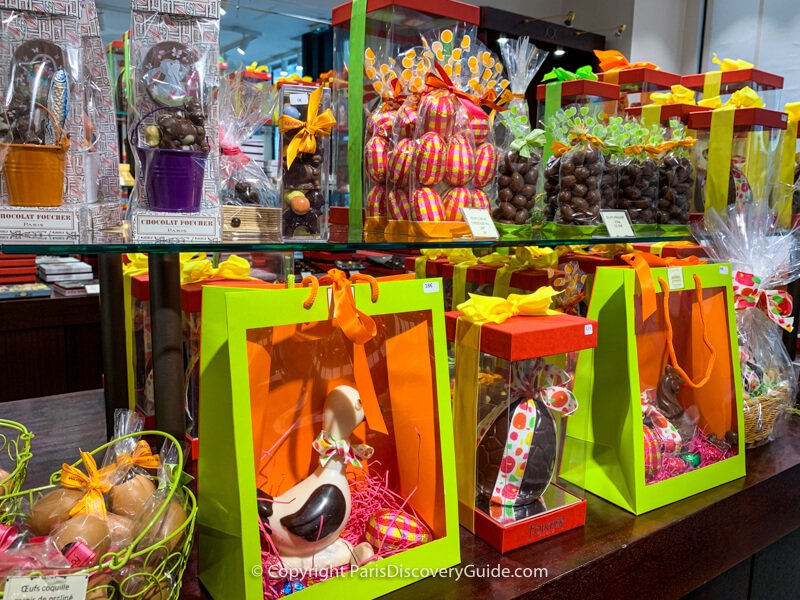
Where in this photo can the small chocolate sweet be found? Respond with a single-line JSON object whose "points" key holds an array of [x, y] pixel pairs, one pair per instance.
{"points": [[578, 204], [301, 217], [637, 190], [179, 129], [516, 188], [676, 178]]}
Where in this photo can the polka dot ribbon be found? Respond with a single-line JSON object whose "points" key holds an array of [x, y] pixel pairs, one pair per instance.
{"points": [[664, 431], [748, 293], [328, 448], [531, 379]]}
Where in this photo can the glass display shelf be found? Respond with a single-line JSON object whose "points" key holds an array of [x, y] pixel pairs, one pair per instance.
{"points": [[119, 244]]}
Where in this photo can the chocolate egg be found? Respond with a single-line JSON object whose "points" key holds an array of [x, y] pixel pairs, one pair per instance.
{"points": [[128, 498], [459, 161], [5, 486], [480, 199], [480, 128], [454, 199], [170, 521], [427, 205], [485, 164], [92, 531], [392, 529], [398, 204], [100, 587], [438, 112], [52, 509], [429, 159], [400, 158], [380, 123], [406, 121], [376, 158], [376, 201], [135, 580], [120, 529]]}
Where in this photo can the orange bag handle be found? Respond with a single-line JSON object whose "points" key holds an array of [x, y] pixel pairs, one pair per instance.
{"points": [[670, 344]]}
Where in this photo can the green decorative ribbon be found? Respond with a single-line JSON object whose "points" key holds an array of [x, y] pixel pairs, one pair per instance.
{"points": [[524, 145], [559, 74]]}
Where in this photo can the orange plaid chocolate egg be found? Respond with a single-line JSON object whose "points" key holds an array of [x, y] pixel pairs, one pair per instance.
{"points": [[376, 201], [391, 529], [427, 205], [454, 199], [459, 165], [429, 159], [481, 200], [406, 121], [485, 164], [438, 112], [381, 122], [376, 158], [397, 204], [400, 162], [480, 129]]}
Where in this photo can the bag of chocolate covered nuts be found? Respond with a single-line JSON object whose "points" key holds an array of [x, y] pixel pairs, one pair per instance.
{"points": [[676, 177]]}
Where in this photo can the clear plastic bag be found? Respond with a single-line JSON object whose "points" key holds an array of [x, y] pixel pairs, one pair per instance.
{"points": [[638, 181], [579, 183], [676, 177], [763, 258]]}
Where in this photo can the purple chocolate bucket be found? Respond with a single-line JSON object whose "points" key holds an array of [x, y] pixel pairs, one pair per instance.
{"points": [[173, 179]]}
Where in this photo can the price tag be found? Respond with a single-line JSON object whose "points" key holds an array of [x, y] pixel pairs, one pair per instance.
{"points": [[430, 287], [617, 223], [588, 329], [93, 288], [479, 221], [56, 587], [298, 99], [723, 269], [675, 278]]}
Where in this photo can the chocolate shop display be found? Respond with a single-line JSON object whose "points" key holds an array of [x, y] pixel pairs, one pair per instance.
{"points": [[676, 177], [638, 175], [306, 123], [173, 125]]}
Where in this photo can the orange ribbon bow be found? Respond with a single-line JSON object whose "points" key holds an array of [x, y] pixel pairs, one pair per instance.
{"points": [[642, 262], [471, 103], [305, 140], [614, 60], [94, 483], [142, 457]]}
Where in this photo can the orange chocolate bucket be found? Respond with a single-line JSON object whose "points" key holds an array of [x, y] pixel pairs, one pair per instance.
{"points": [[35, 173]]}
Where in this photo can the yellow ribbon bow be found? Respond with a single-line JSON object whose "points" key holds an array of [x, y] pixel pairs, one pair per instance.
{"points": [[731, 64], [677, 95], [94, 483], [142, 457], [743, 98], [235, 267], [491, 309], [305, 140], [792, 109]]}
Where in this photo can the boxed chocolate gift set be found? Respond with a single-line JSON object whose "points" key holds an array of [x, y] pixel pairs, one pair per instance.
{"points": [[173, 124]]}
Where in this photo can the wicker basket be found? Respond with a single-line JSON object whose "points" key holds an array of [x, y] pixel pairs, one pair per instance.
{"points": [[161, 572], [15, 441], [761, 414]]}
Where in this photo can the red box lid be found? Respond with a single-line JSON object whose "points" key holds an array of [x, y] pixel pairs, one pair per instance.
{"points": [[140, 287], [451, 9], [521, 338], [744, 117], [674, 251], [670, 111], [762, 78], [477, 274], [339, 215], [583, 87], [664, 79]]}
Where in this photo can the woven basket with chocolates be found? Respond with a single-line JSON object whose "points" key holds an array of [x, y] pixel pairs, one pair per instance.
{"points": [[15, 452], [127, 524]]}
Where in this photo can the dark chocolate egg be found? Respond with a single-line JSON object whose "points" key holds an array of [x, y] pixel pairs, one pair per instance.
{"points": [[541, 455]]}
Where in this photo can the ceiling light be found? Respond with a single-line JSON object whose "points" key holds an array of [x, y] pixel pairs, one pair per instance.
{"points": [[284, 73], [241, 50], [559, 51], [299, 67], [223, 12]]}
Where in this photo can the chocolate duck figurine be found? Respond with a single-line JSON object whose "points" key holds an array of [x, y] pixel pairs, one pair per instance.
{"points": [[306, 520], [667, 403]]}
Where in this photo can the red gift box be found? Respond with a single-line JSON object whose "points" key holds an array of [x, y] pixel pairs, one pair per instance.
{"points": [[582, 87], [640, 76], [763, 79], [744, 118], [673, 251], [449, 9]]}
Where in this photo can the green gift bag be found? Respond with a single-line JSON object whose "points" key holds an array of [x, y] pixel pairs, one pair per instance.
{"points": [[661, 406], [271, 360]]}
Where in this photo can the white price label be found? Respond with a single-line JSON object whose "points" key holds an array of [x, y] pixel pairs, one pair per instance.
{"points": [[588, 329], [61, 587], [298, 99], [430, 287], [675, 278], [93, 288], [617, 223], [479, 221], [723, 269]]}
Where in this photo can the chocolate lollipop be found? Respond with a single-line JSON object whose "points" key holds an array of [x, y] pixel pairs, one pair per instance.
{"points": [[169, 73]]}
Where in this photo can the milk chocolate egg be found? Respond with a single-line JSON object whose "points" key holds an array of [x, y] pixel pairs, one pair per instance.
{"points": [[429, 159], [5, 486], [376, 158], [135, 580], [128, 498], [485, 164], [398, 204], [455, 199], [400, 162], [459, 161], [406, 121], [376, 201], [171, 520], [380, 123], [91, 530], [52, 509], [120, 529], [480, 199], [438, 111], [100, 587], [427, 204], [480, 129]]}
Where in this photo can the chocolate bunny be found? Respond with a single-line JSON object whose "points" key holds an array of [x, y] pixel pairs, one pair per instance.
{"points": [[667, 403]]}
